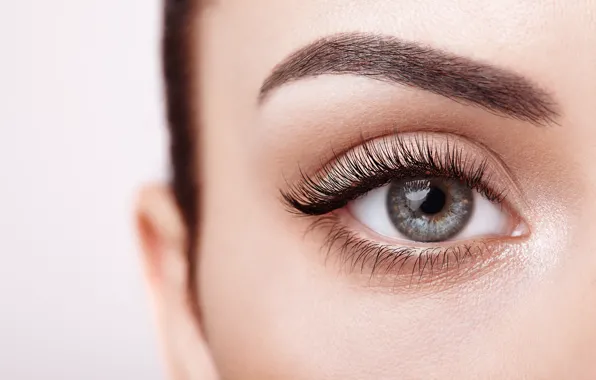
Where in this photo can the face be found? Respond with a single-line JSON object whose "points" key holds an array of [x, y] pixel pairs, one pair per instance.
{"points": [[390, 190]]}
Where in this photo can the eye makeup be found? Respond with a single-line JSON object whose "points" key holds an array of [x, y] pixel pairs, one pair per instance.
{"points": [[402, 265], [424, 160], [375, 163]]}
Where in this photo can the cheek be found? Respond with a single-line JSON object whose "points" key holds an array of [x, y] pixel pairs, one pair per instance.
{"points": [[275, 309]]}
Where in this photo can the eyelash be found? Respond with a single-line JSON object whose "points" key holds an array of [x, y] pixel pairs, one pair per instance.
{"points": [[357, 253], [374, 164]]}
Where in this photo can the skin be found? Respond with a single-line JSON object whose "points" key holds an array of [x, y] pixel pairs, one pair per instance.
{"points": [[272, 307]]}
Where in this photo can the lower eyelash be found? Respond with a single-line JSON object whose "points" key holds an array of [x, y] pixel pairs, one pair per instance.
{"points": [[412, 265]]}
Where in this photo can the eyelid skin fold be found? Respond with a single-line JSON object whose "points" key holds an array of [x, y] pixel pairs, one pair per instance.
{"points": [[375, 163]]}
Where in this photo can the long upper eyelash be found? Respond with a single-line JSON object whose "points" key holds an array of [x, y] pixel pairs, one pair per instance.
{"points": [[375, 164]]}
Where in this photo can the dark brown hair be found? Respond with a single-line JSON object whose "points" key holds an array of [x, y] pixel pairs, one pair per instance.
{"points": [[177, 71]]}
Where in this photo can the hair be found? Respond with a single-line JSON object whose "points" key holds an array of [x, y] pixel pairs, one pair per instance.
{"points": [[178, 68]]}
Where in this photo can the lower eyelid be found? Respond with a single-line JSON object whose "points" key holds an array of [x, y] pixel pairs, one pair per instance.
{"points": [[384, 263]]}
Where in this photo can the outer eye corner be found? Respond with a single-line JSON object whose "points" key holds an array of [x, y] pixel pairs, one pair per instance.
{"points": [[521, 228]]}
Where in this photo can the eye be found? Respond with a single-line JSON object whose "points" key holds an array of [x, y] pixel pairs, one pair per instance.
{"points": [[430, 210], [436, 199]]}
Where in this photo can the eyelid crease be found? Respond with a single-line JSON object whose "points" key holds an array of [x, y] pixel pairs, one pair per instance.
{"points": [[377, 162]]}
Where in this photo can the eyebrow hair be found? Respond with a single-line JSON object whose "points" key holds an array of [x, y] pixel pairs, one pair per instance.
{"points": [[389, 59]]}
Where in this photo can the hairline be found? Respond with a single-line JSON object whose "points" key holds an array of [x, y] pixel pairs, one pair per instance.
{"points": [[178, 66]]}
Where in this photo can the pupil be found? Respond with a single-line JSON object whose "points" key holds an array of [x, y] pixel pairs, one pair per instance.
{"points": [[434, 202]]}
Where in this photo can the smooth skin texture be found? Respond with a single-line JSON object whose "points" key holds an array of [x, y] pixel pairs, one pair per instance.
{"points": [[272, 307]]}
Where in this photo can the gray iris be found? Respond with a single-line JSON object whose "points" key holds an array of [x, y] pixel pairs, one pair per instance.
{"points": [[430, 210]]}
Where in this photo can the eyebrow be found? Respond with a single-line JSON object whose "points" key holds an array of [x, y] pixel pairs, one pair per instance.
{"points": [[389, 59]]}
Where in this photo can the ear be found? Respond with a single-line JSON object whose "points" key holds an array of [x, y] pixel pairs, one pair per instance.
{"points": [[163, 242]]}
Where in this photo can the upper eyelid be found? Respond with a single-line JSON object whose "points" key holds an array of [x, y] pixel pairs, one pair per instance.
{"points": [[364, 139], [450, 135], [333, 172]]}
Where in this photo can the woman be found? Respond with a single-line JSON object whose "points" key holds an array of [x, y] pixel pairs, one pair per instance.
{"points": [[377, 190]]}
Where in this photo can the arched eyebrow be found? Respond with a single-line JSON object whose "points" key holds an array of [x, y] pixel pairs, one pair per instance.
{"points": [[389, 59]]}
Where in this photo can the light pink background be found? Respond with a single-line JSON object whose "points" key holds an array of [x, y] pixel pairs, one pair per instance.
{"points": [[80, 128]]}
